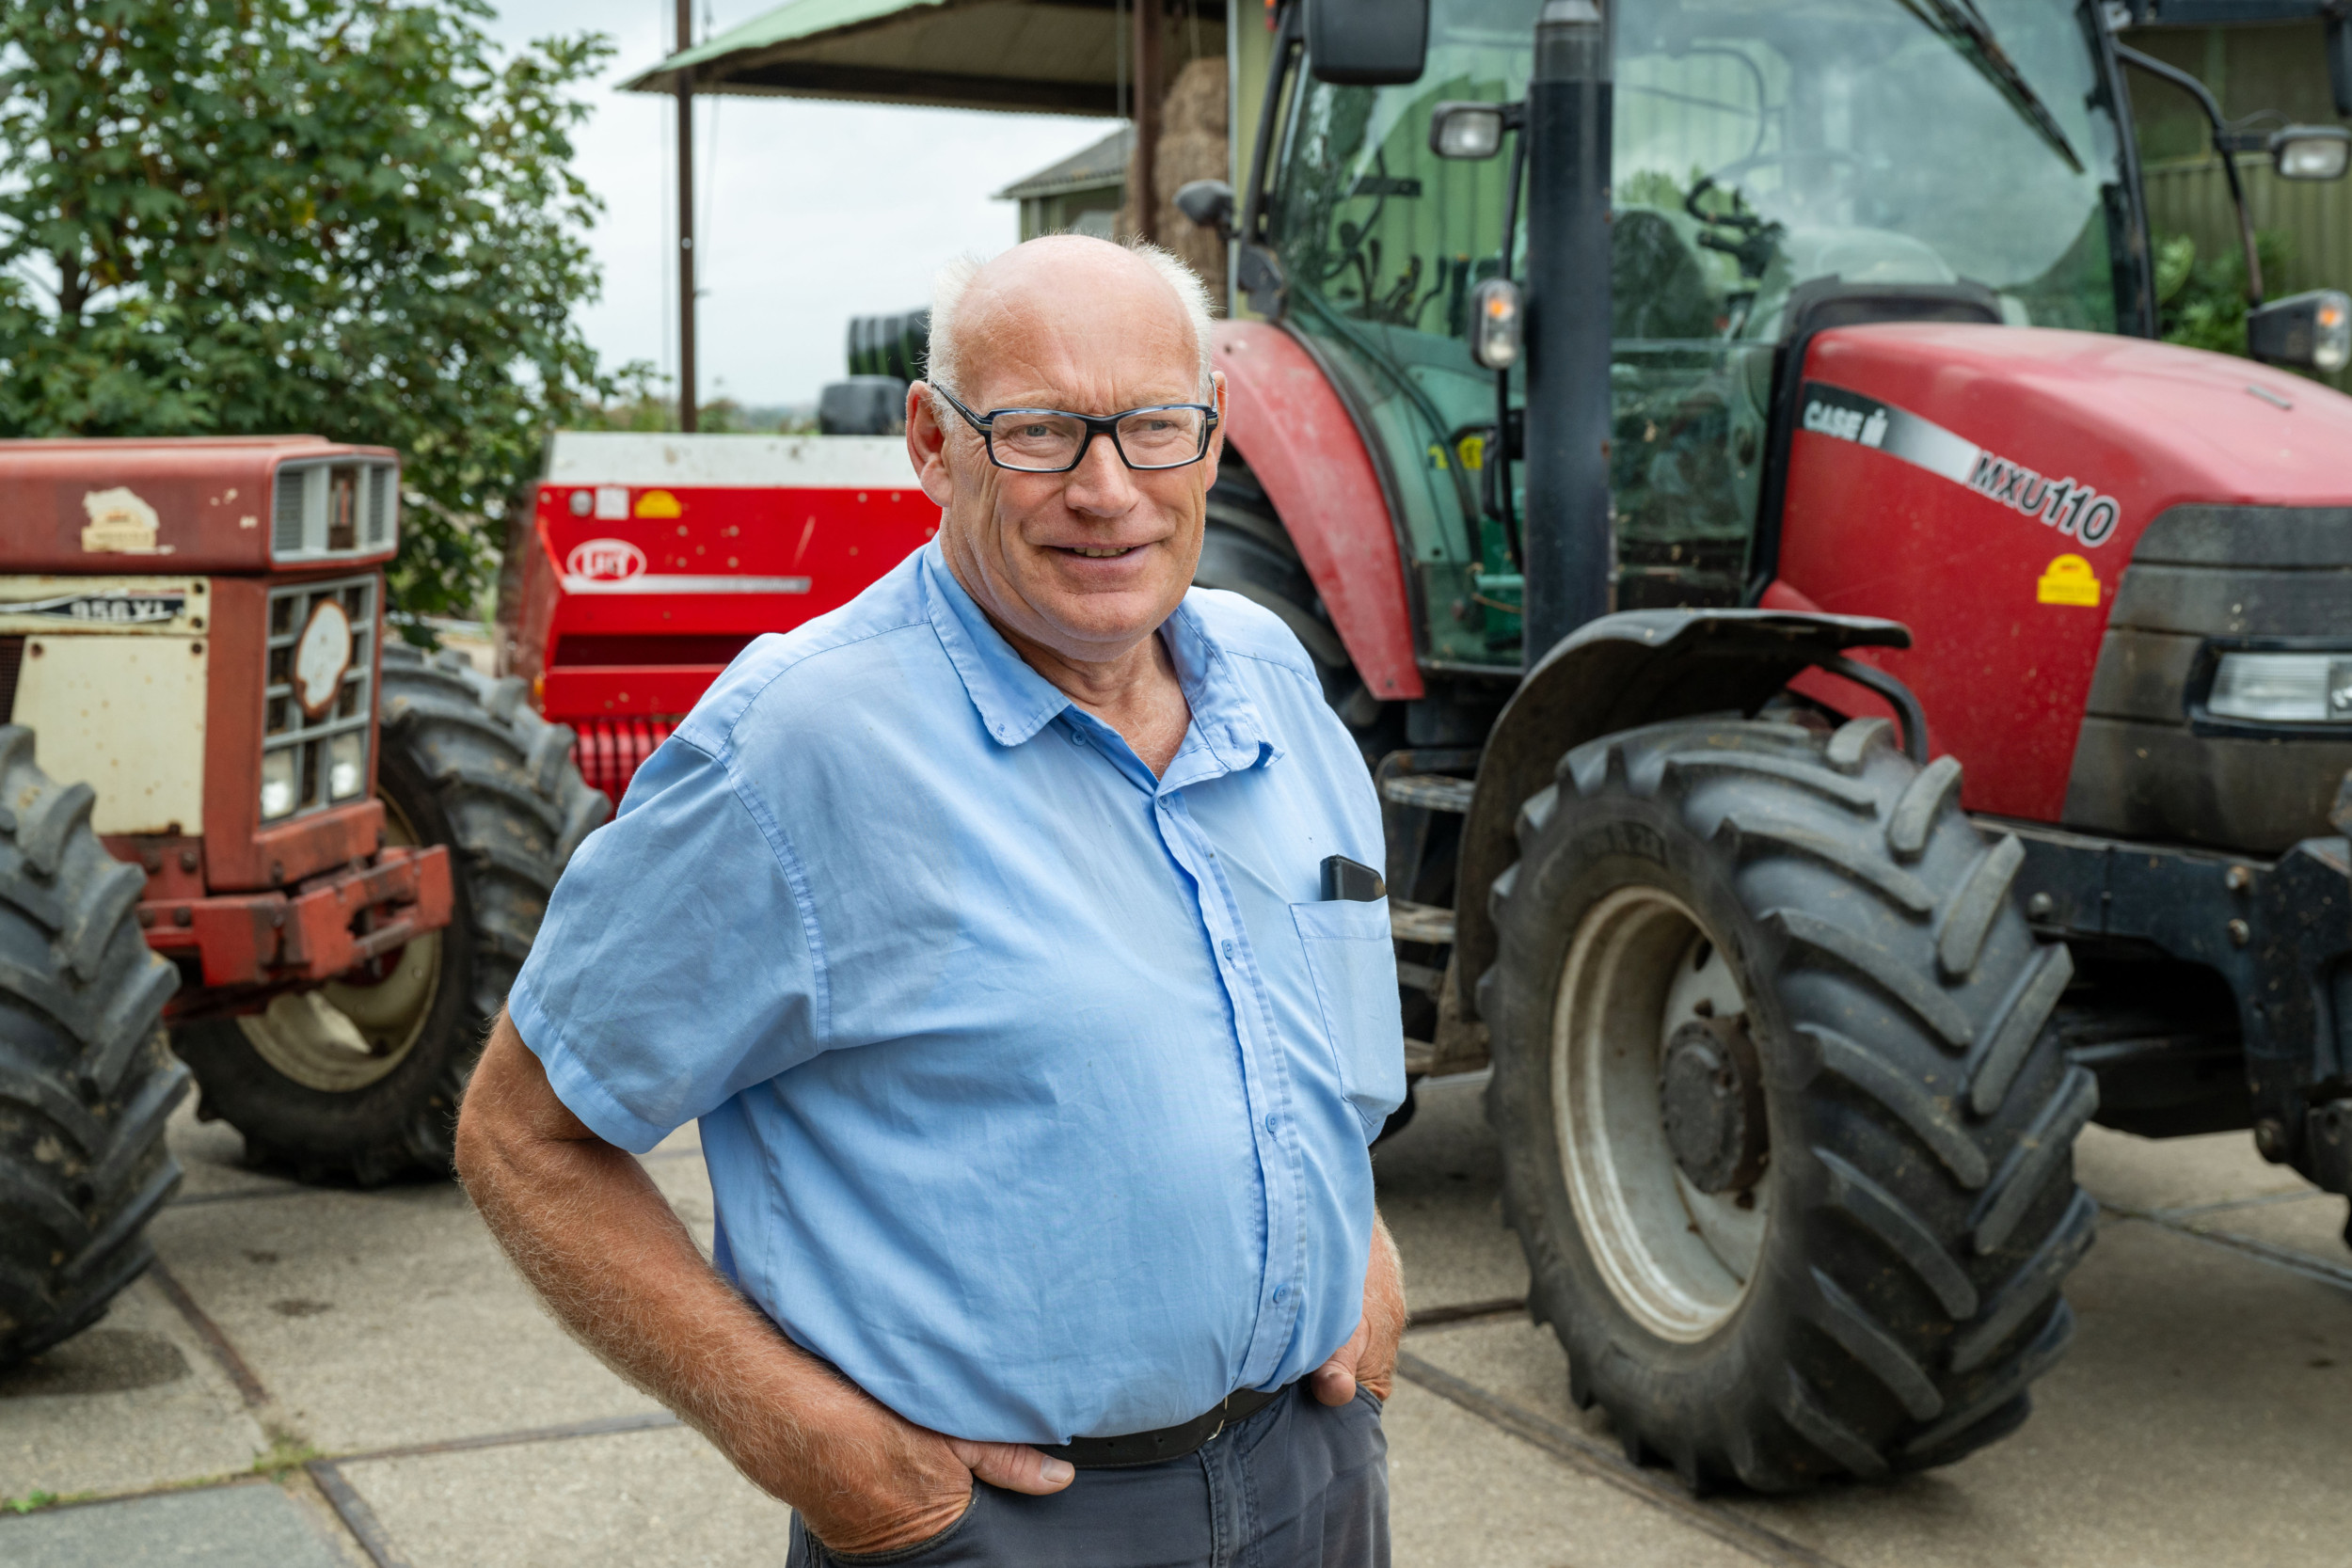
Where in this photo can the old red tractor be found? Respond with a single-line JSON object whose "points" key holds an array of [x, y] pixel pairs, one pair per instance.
{"points": [[240, 823]]}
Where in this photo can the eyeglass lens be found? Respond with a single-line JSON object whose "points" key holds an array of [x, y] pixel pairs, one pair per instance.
{"points": [[1046, 442]]}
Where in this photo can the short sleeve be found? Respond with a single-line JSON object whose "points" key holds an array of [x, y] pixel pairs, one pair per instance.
{"points": [[673, 968]]}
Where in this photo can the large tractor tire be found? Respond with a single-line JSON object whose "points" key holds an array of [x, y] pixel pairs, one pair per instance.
{"points": [[86, 1079], [359, 1080], [1787, 1141]]}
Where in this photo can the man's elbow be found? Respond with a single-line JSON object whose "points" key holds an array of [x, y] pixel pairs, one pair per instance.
{"points": [[492, 1107]]}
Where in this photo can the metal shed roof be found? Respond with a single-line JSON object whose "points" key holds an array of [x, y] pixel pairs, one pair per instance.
{"points": [[1053, 56], [1096, 168]]}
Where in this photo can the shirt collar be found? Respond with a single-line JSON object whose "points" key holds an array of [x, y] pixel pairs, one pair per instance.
{"points": [[1015, 701]]}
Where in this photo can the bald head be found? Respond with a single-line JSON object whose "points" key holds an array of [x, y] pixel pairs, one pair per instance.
{"points": [[1076, 283]]}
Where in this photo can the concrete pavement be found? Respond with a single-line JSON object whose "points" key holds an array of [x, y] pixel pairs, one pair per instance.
{"points": [[357, 1378]]}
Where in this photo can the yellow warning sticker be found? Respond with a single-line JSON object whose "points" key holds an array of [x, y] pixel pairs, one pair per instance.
{"points": [[659, 503], [2068, 580], [1472, 450]]}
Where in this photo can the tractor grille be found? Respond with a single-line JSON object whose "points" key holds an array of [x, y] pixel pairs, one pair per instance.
{"points": [[296, 745], [323, 510], [609, 751]]}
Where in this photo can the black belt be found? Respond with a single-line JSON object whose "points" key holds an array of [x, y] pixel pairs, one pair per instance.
{"points": [[1153, 1448]]}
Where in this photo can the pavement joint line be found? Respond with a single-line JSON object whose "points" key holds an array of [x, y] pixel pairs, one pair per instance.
{"points": [[240, 1195], [1582, 1453], [358, 1517], [216, 1342], [2188, 1210], [603, 1426], [651, 1420], [2277, 1257], [1463, 1312], [138, 1494]]}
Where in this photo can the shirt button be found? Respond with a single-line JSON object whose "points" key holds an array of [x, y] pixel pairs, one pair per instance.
{"points": [[1272, 1121], [1281, 1294], [1225, 947]]}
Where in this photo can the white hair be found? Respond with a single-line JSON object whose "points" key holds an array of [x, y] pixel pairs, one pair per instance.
{"points": [[943, 363]]}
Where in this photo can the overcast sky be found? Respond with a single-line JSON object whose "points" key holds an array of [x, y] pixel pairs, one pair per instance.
{"points": [[813, 212]]}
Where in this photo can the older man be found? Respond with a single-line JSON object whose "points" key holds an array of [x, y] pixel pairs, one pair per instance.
{"points": [[984, 925]]}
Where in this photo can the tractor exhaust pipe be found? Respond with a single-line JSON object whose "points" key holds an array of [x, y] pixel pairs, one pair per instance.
{"points": [[1570, 544]]}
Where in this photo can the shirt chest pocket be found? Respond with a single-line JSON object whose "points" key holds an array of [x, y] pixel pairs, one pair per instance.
{"points": [[1353, 964]]}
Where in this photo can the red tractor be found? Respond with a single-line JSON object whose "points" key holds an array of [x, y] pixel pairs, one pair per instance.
{"points": [[241, 830], [1850, 708]]}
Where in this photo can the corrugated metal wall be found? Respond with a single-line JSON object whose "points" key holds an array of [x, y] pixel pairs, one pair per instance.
{"points": [[2316, 216]]}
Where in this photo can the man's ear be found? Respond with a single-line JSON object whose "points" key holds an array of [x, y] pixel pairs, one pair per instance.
{"points": [[927, 446], [1216, 436]]}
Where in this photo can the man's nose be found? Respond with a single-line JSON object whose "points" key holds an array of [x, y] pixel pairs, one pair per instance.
{"points": [[1100, 483]]}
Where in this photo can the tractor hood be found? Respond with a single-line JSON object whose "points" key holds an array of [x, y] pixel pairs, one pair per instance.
{"points": [[2043, 507], [2148, 424]]}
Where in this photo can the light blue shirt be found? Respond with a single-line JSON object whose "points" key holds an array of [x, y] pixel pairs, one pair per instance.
{"points": [[1035, 1091]]}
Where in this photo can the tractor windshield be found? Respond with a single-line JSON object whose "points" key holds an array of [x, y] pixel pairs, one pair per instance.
{"points": [[1759, 145]]}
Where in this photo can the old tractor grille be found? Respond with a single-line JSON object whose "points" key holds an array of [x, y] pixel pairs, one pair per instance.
{"points": [[315, 751], [323, 510]]}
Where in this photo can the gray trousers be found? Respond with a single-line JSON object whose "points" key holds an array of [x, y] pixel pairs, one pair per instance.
{"points": [[1298, 1484]]}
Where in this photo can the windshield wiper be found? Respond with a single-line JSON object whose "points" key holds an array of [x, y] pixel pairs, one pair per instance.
{"points": [[1961, 21]]}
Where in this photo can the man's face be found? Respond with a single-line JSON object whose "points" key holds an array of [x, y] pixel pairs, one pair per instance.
{"points": [[1087, 563]]}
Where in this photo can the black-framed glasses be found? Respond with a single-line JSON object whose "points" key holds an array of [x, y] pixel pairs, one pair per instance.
{"points": [[1054, 440]]}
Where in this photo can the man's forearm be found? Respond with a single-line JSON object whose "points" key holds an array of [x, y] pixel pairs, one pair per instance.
{"points": [[1384, 1311], [591, 1232]]}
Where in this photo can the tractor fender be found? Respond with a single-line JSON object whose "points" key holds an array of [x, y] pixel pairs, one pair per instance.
{"points": [[1636, 667], [1285, 417]]}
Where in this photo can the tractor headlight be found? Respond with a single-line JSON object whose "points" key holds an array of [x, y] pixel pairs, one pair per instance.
{"points": [[347, 765], [2282, 688], [278, 792]]}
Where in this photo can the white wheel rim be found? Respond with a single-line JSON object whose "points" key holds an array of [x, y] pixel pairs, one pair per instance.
{"points": [[1678, 1259], [344, 1037]]}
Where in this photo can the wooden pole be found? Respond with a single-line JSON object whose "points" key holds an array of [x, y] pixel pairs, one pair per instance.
{"points": [[686, 421], [1147, 101]]}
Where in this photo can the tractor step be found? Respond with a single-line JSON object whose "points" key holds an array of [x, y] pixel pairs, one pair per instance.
{"points": [[1430, 791], [1420, 923]]}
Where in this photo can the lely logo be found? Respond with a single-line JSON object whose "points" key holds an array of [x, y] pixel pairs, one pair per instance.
{"points": [[604, 560]]}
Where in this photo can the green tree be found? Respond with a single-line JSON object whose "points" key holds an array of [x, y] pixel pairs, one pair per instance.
{"points": [[346, 217], [2201, 302]]}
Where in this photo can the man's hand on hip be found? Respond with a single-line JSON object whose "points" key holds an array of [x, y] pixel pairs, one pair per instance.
{"points": [[879, 1483], [593, 1234], [1368, 1357]]}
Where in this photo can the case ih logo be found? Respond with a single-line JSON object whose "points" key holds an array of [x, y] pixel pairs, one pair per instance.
{"points": [[2071, 508], [605, 560]]}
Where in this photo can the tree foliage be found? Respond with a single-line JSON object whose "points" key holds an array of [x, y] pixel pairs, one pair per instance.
{"points": [[345, 218], [2200, 301]]}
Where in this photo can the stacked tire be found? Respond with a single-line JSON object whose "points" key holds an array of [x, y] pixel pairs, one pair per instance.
{"points": [[1787, 1140], [86, 1076]]}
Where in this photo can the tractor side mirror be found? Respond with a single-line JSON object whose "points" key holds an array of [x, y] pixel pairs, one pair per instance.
{"points": [[1466, 130], [2310, 331], [2311, 152], [1208, 204], [1367, 43]]}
